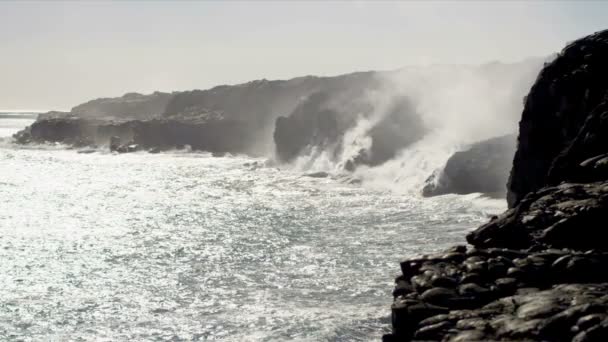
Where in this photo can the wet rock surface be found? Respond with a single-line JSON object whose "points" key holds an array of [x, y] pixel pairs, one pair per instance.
{"points": [[321, 121], [483, 167], [539, 271]]}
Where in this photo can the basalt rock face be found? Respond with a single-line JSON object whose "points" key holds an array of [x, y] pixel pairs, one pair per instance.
{"points": [[309, 124], [260, 103], [538, 272], [248, 110], [570, 215], [323, 119], [484, 168], [221, 136], [559, 104], [535, 273]]}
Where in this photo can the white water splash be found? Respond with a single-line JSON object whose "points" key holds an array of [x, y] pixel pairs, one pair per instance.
{"points": [[459, 105]]}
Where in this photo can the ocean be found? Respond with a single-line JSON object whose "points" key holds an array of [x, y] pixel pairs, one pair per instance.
{"points": [[183, 246]]}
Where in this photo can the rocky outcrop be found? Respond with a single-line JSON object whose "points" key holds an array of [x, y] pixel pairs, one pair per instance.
{"points": [[484, 168], [260, 103], [159, 134], [538, 271], [496, 294], [570, 215], [323, 119], [309, 124], [71, 131], [560, 102], [252, 107]]}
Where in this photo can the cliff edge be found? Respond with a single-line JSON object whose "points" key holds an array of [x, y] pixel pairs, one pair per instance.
{"points": [[538, 272]]}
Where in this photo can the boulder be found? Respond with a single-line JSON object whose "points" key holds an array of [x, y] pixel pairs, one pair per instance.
{"points": [[484, 168]]}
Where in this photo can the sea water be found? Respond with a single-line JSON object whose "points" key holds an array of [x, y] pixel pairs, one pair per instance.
{"points": [[183, 246]]}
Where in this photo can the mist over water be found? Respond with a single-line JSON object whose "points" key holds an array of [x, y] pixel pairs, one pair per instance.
{"points": [[457, 105], [185, 246]]}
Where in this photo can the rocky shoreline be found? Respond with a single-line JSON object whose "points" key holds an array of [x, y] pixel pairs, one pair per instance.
{"points": [[539, 271], [357, 120], [154, 135]]}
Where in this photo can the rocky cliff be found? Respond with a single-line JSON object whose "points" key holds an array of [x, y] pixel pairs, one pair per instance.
{"points": [[324, 118], [562, 99], [538, 271], [483, 167], [260, 103], [377, 113]]}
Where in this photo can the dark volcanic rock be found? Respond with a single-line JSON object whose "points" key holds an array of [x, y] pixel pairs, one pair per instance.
{"points": [[538, 272], [71, 131], [551, 284], [309, 124], [260, 103], [568, 215], [484, 168], [159, 134], [322, 120], [560, 102]]}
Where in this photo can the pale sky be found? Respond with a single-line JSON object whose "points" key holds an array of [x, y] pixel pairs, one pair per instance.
{"points": [[54, 55]]}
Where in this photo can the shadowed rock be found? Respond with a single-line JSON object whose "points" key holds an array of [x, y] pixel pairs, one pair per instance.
{"points": [[484, 167], [560, 102], [538, 271], [322, 120]]}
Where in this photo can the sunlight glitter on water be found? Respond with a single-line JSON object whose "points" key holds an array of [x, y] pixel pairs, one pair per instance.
{"points": [[184, 246]]}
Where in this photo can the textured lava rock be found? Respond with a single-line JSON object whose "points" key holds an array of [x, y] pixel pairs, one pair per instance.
{"points": [[568, 215], [538, 272], [560, 102]]}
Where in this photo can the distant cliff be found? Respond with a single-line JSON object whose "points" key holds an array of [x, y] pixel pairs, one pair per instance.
{"points": [[218, 136], [131, 106], [259, 103], [362, 118]]}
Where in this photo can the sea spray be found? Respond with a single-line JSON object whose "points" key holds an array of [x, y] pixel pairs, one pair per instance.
{"points": [[457, 105]]}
